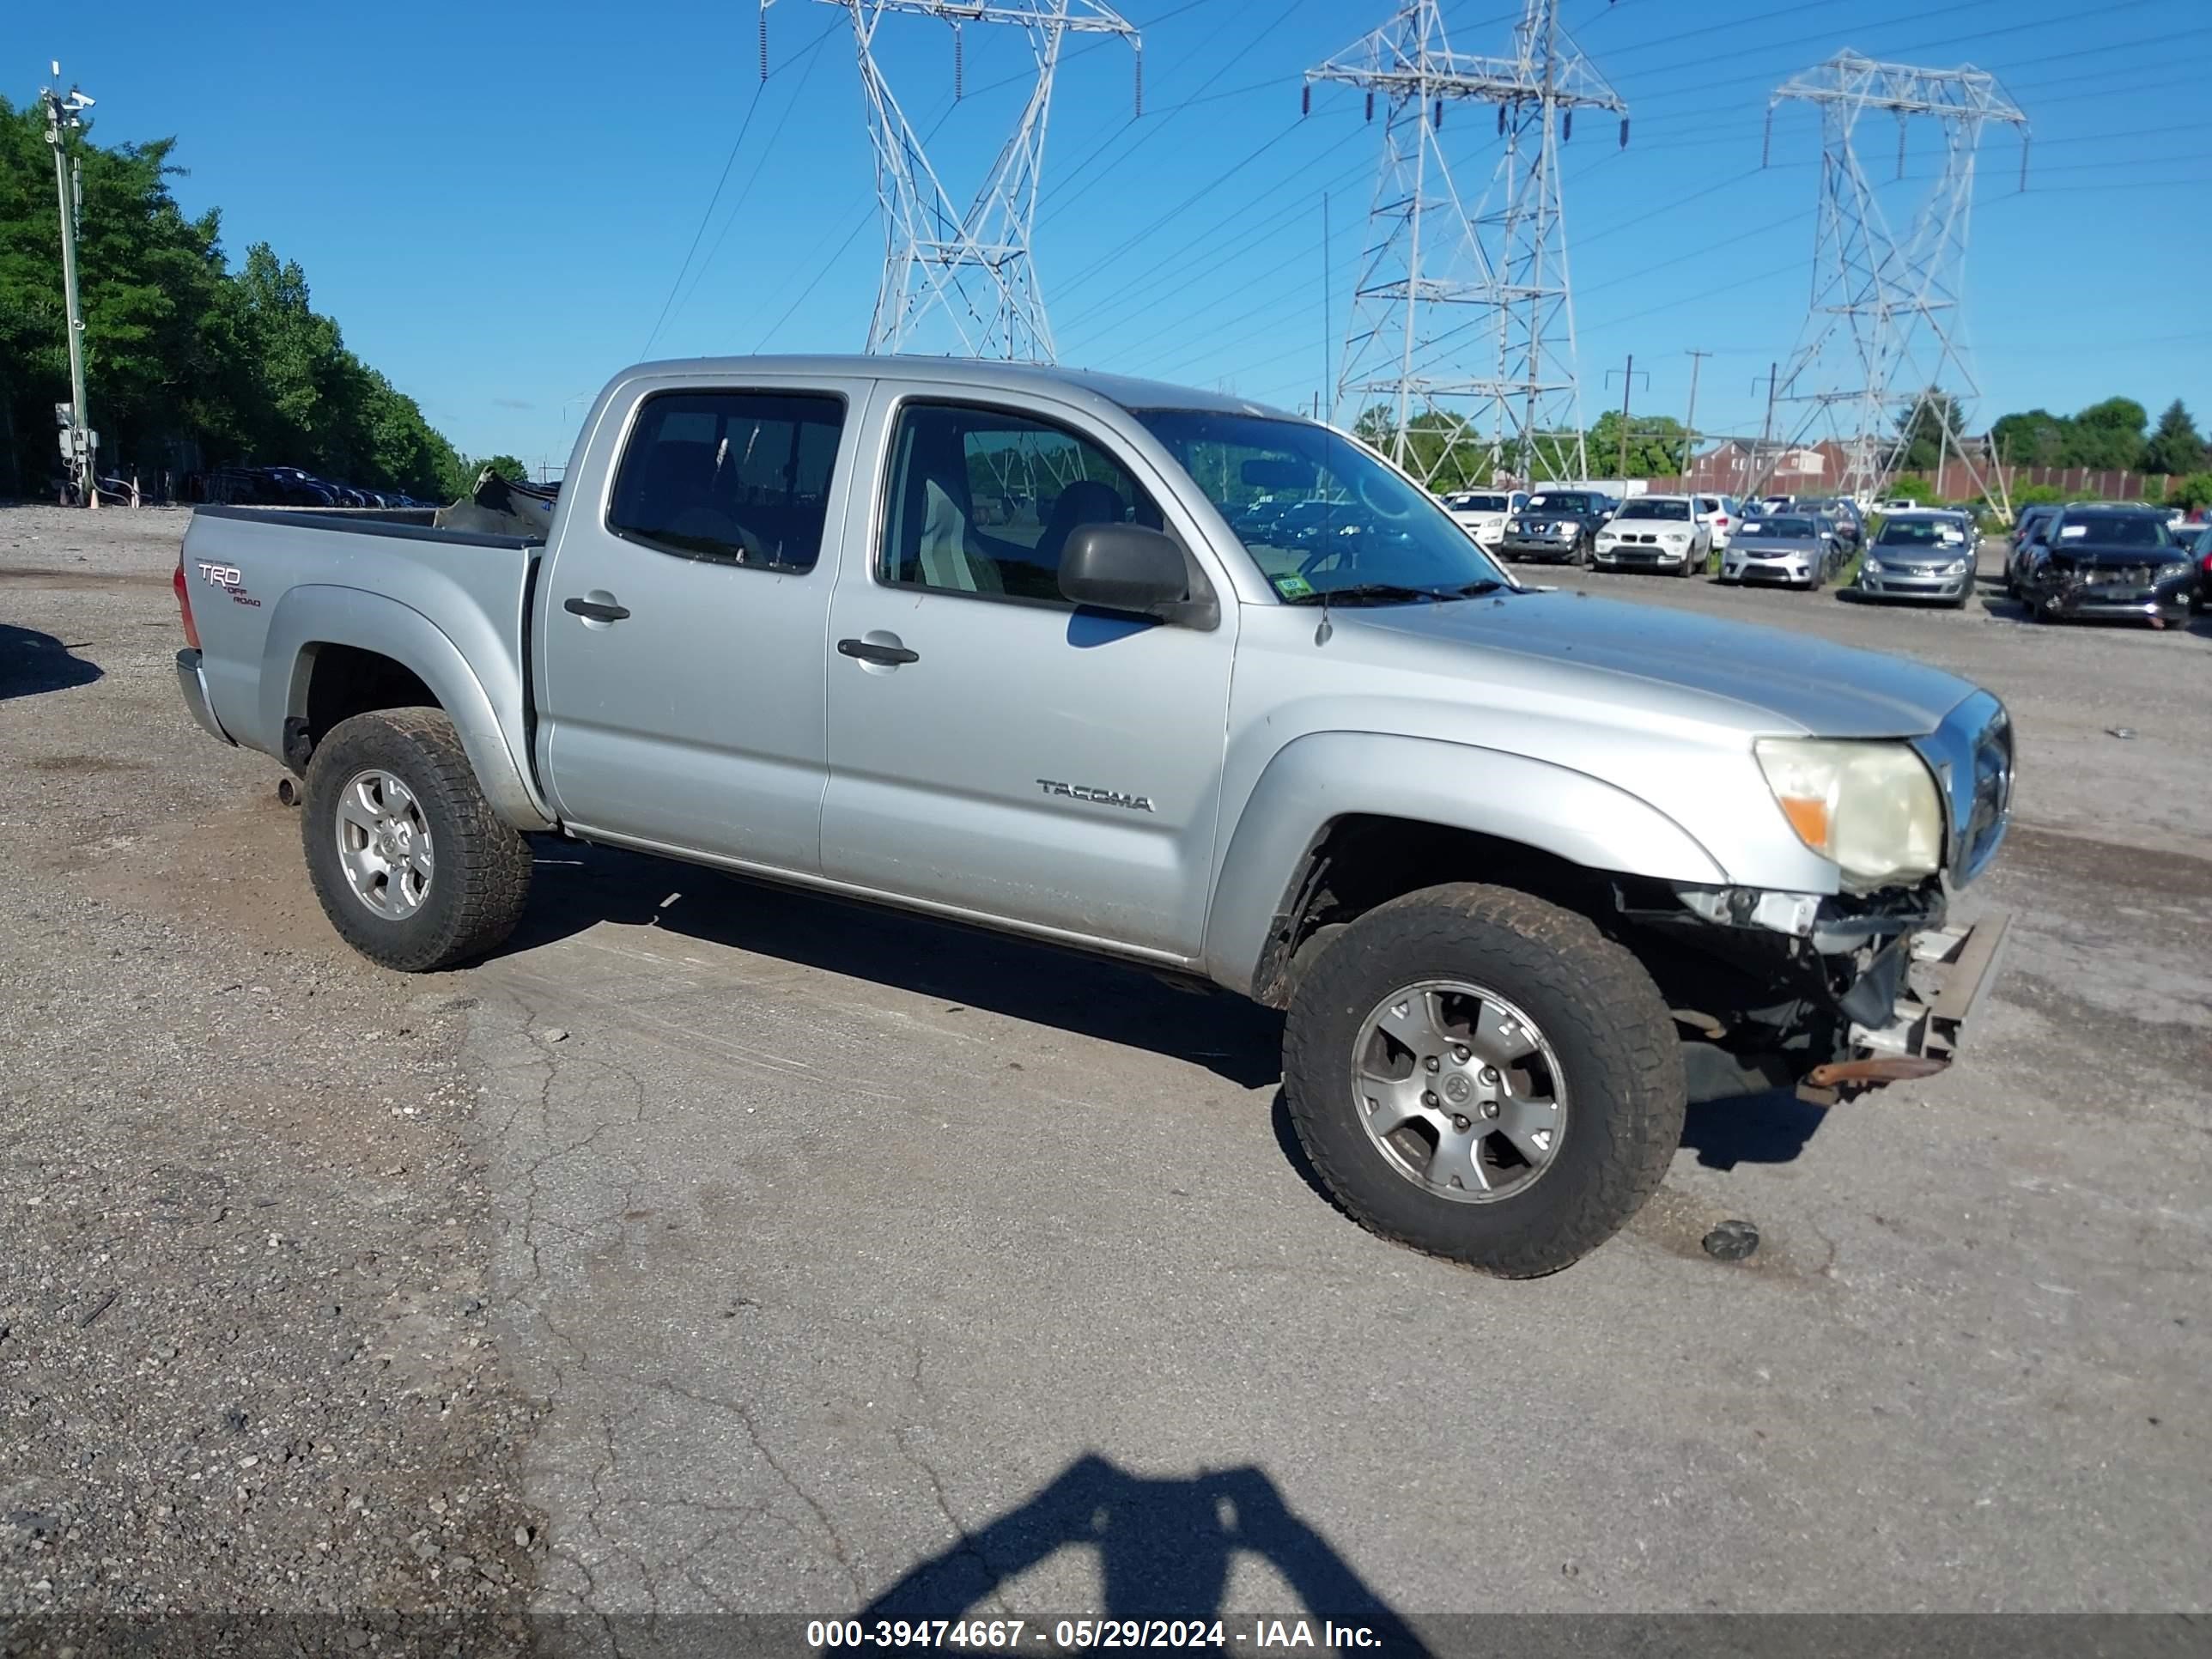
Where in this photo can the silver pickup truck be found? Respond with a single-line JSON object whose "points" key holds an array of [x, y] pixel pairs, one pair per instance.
{"points": [[1160, 674]]}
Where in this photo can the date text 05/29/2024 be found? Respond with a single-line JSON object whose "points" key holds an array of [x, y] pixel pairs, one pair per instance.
{"points": [[1019, 1635]]}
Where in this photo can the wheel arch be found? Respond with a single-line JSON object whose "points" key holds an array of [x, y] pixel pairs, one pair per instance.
{"points": [[333, 652], [1303, 857]]}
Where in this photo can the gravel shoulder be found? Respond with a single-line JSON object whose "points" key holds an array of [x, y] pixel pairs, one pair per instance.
{"points": [[244, 1306]]}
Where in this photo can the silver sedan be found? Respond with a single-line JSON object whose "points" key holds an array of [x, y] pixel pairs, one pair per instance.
{"points": [[1789, 551]]}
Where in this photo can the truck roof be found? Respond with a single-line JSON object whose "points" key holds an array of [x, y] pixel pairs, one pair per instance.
{"points": [[982, 373]]}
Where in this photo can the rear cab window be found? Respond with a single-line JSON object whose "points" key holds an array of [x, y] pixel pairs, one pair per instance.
{"points": [[730, 476]]}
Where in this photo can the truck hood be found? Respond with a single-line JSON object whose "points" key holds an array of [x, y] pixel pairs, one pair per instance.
{"points": [[1758, 679]]}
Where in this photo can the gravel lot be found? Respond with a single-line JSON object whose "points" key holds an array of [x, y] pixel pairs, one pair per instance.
{"points": [[717, 1250]]}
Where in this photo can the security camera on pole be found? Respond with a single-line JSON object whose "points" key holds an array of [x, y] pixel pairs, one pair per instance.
{"points": [[80, 444]]}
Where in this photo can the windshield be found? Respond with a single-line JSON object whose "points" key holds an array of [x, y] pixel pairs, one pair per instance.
{"points": [[1359, 526], [1648, 509], [1479, 504], [2116, 532], [1562, 503], [1781, 530], [1918, 532]]}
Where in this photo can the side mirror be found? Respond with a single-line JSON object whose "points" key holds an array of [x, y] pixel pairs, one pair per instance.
{"points": [[1138, 572]]}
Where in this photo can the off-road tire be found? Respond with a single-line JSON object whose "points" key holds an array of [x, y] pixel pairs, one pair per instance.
{"points": [[482, 882], [1618, 1053]]}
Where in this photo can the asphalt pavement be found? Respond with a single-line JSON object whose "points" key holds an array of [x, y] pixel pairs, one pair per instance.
{"points": [[827, 1260]]}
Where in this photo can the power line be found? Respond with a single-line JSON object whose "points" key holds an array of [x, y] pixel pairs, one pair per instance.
{"points": [[752, 108]]}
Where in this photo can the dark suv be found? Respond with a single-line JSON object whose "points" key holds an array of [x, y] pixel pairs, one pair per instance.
{"points": [[1556, 526]]}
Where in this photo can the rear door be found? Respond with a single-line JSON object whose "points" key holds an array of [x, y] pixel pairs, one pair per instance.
{"points": [[684, 618], [994, 750]]}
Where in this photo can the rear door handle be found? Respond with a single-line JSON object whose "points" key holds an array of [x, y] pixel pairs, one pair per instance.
{"points": [[868, 651], [595, 609]]}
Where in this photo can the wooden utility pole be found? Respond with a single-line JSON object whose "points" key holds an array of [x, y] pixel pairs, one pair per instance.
{"points": [[1689, 421], [1628, 381]]}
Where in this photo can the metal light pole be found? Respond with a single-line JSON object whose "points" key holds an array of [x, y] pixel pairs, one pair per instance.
{"points": [[80, 443]]}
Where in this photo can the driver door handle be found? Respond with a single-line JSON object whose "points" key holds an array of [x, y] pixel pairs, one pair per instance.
{"points": [[594, 609], [891, 656]]}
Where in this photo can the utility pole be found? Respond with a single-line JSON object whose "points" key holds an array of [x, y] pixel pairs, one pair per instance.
{"points": [[1762, 464], [80, 443], [1689, 421], [1628, 381]]}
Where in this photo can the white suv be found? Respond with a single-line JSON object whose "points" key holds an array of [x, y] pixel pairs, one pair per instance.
{"points": [[1654, 532], [1482, 514], [1721, 515]]}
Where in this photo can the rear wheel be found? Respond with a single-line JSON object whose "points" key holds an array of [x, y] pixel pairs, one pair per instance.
{"points": [[412, 867], [1484, 1076]]}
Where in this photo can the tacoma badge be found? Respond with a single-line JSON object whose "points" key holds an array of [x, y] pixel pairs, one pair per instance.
{"points": [[1103, 797]]}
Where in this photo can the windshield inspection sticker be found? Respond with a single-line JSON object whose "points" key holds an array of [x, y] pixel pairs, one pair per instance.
{"points": [[1293, 588]]}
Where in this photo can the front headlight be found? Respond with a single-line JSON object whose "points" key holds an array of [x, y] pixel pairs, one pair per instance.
{"points": [[1956, 567], [1871, 807], [1872, 567]]}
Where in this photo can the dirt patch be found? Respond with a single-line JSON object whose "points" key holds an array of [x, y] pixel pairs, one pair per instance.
{"points": [[78, 765]]}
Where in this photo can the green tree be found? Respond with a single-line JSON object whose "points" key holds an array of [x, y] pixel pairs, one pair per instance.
{"points": [[1921, 432], [1655, 446], [508, 468], [182, 355], [2107, 435], [2191, 492], [2037, 438], [2176, 447]]}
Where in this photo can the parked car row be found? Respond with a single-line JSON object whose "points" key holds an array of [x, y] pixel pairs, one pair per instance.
{"points": [[289, 486]]}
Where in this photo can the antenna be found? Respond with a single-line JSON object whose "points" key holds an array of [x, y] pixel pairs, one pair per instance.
{"points": [[964, 280]]}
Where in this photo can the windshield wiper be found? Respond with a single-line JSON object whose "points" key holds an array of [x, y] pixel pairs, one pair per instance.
{"points": [[1390, 593]]}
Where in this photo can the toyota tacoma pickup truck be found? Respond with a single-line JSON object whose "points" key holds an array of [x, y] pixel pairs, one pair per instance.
{"points": [[1524, 869]]}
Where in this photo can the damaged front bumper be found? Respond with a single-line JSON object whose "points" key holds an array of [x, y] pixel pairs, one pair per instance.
{"points": [[1940, 976], [1827, 995]]}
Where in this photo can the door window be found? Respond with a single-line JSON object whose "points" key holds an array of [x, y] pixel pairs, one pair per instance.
{"points": [[737, 477], [983, 500]]}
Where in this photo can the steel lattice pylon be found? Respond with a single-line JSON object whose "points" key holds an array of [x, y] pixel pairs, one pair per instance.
{"points": [[964, 281], [1882, 337], [1500, 383]]}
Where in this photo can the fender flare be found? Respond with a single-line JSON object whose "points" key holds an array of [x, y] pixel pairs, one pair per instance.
{"points": [[1314, 781], [313, 615]]}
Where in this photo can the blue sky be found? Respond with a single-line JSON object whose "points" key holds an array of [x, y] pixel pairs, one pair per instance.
{"points": [[496, 199]]}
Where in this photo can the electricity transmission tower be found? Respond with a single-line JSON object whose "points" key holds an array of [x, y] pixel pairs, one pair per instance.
{"points": [[1463, 319], [1884, 333], [964, 280]]}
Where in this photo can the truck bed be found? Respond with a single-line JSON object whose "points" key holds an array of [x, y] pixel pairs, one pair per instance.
{"points": [[267, 586]]}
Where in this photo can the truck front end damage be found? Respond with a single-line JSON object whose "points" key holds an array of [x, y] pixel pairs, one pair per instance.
{"points": [[1837, 993], [1832, 995]]}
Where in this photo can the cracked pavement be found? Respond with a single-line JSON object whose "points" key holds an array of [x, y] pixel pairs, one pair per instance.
{"points": [[841, 1260]]}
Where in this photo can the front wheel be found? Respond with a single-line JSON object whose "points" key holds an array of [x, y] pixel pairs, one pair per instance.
{"points": [[1484, 1076], [413, 867]]}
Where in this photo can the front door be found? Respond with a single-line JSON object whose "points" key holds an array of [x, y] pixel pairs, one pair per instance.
{"points": [[683, 627], [993, 750]]}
